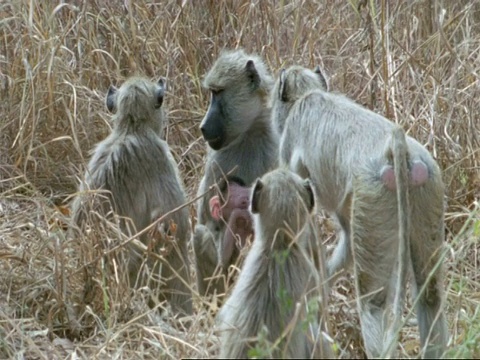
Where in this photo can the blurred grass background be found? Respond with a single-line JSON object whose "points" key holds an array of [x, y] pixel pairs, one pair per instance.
{"points": [[416, 62]]}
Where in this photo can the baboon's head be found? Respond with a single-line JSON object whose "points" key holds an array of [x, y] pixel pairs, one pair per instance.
{"points": [[138, 103], [291, 85], [282, 200], [240, 86]]}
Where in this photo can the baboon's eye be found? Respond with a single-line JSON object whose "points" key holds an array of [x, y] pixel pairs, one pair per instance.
{"points": [[216, 92]]}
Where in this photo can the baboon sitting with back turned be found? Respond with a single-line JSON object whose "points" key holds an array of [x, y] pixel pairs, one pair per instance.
{"points": [[136, 170], [386, 192], [237, 128], [279, 293]]}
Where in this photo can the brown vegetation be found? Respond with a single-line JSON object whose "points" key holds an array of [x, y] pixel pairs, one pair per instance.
{"points": [[417, 62]]}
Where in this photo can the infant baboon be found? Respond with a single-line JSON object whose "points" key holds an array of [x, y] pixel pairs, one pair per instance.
{"points": [[280, 292], [230, 206], [133, 166], [238, 129], [386, 192]]}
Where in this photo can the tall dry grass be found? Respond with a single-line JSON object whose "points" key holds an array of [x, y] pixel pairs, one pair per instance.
{"points": [[417, 62]]}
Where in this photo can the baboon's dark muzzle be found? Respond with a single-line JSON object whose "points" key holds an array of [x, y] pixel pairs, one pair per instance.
{"points": [[212, 127]]}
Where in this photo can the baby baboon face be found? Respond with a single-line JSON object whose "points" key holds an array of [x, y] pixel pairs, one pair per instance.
{"points": [[282, 199]]}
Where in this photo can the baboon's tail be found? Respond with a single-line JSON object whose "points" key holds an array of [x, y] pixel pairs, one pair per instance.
{"points": [[400, 162]]}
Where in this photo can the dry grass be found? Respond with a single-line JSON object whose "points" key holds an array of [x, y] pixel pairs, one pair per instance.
{"points": [[417, 62]]}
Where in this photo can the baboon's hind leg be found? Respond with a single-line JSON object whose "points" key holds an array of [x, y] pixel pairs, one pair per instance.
{"points": [[206, 262], [175, 273], [374, 233], [341, 257], [426, 254]]}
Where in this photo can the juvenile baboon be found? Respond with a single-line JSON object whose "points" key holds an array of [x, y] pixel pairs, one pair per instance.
{"points": [[133, 166], [230, 206], [237, 128], [386, 192], [279, 293]]}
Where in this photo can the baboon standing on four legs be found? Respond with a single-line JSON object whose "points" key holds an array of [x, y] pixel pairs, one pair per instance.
{"points": [[386, 192], [279, 280], [237, 128], [134, 168]]}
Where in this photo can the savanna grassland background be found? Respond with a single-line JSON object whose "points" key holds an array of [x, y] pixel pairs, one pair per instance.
{"points": [[417, 62]]}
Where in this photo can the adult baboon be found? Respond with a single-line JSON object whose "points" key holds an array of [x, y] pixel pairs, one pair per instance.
{"points": [[230, 206], [136, 170], [237, 128], [386, 192], [279, 293]]}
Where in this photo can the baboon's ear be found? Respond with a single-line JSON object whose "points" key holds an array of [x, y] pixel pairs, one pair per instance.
{"points": [[253, 74], [257, 189], [160, 92], [321, 77], [308, 186], [162, 82], [282, 91], [111, 100]]}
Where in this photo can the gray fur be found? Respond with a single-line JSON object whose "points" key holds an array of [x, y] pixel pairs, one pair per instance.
{"points": [[286, 93], [239, 118], [343, 147], [140, 179], [279, 278]]}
